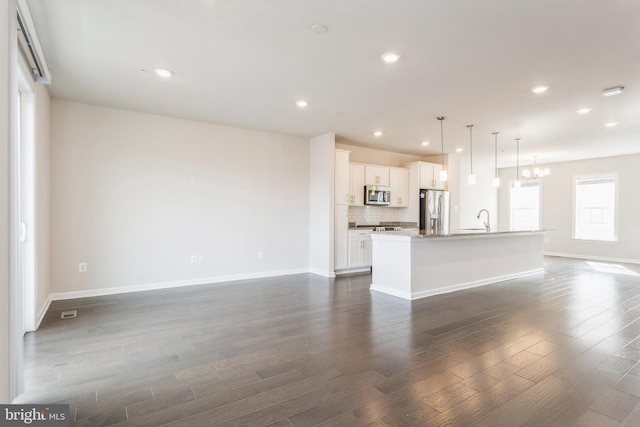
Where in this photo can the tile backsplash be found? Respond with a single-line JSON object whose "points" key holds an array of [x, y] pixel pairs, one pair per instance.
{"points": [[372, 214]]}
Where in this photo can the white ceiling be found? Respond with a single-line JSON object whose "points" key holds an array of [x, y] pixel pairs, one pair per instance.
{"points": [[245, 63]]}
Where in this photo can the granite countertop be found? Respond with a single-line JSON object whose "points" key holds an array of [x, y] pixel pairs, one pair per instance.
{"points": [[458, 233], [356, 226]]}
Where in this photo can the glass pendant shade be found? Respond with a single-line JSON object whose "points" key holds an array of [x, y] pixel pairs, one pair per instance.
{"points": [[471, 179], [443, 175]]}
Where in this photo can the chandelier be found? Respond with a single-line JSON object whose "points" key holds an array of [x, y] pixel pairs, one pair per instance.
{"points": [[537, 172]]}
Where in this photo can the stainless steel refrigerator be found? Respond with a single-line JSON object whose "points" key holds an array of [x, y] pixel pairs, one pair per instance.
{"points": [[434, 211]]}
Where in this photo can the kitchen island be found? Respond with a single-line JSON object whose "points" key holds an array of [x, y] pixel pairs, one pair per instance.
{"points": [[418, 266]]}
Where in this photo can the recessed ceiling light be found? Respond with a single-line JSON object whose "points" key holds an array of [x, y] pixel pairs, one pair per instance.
{"points": [[163, 72], [390, 57], [425, 143], [583, 110], [611, 124], [613, 91], [377, 134], [302, 103], [458, 150], [539, 89]]}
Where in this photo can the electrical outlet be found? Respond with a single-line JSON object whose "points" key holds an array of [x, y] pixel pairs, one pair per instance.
{"points": [[260, 255], [194, 181], [82, 267], [201, 259], [194, 259]]}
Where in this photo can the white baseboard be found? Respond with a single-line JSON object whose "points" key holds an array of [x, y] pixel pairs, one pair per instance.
{"points": [[43, 311], [453, 288], [390, 291], [165, 285], [328, 273], [593, 258]]}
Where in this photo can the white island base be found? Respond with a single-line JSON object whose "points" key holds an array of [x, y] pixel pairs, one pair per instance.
{"points": [[413, 267]]}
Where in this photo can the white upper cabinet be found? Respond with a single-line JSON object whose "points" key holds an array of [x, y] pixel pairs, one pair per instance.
{"points": [[399, 183], [376, 175], [341, 176], [426, 175], [356, 184], [430, 176], [438, 185]]}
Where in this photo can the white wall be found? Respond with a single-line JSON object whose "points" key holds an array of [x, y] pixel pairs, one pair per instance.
{"points": [[123, 200], [557, 207], [321, 205]]}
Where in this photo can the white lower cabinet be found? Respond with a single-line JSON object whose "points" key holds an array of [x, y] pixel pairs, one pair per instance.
{"points": [[341, 244], [359, 248]]}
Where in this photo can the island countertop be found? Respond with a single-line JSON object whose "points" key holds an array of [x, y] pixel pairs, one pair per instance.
{"points": [[455, 233]]}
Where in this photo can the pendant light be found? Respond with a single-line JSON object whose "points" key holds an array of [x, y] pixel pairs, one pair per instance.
{"points": [[471, 180], [516, 183], [496, 179], [443, 172]]}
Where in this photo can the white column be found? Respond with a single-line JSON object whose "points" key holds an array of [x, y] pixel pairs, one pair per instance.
{"points": [[321, 201]]}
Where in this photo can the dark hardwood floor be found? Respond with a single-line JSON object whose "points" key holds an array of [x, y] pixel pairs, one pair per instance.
{"points": [[557, 349]]}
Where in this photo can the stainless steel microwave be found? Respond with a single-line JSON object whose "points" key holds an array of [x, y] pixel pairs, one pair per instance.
{"points": [[377, 195]]}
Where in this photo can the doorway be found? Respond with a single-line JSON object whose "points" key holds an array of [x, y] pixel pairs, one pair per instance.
{"points": [[26, 198]]}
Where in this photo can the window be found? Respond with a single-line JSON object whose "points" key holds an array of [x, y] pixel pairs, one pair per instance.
{"points": [[524, 206], [595, 207]]}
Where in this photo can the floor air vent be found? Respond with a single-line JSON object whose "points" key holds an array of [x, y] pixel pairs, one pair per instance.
{"points": [[69, 314]]}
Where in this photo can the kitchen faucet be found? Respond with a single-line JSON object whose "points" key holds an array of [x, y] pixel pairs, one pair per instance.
{"points": [[487, 224]]}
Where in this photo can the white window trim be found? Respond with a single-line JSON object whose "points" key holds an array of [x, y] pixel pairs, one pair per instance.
{"points": [[615, 176]]}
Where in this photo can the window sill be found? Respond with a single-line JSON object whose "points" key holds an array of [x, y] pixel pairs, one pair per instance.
{"points": [[606, 242]]}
